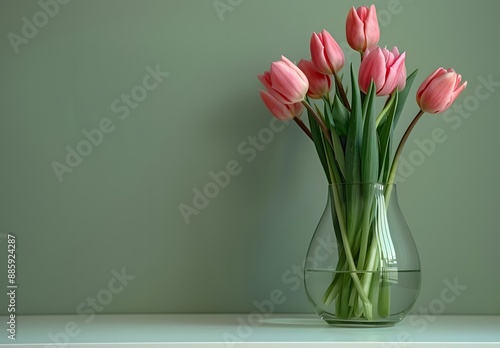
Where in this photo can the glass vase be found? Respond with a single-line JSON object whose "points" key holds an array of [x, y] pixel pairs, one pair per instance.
{"points": [[362, 267]]}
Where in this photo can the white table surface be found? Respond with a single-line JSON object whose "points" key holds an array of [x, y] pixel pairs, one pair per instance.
{"points": [[222, 330]]}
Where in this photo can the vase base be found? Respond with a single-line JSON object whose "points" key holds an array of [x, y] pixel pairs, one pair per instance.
{"points": [[358, 322], [340, 323]]}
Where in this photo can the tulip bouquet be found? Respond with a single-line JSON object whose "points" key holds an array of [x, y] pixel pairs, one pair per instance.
{"points": [[353, 138]]}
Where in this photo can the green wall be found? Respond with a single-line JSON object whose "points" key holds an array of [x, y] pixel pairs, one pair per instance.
{"points": [[118, 208]]}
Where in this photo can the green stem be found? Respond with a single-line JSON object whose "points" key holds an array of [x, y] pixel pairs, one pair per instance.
{"points": [[365, 231], [336, 283], [334, 288], [371, 267], [303, 127], [350, 259], [392, 173], [384, 111], [374, 289], [327, 100], [346, 290], [340, 87], [372, 264], [384, 296], [330, 161], [320, 122]]}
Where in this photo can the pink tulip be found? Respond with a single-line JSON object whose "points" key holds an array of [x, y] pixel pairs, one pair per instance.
{"points": [[280, 110], [319, 84], [326, 54], [386, 69], [439, 90], [285, 82], [401, 77], [362, 28]]}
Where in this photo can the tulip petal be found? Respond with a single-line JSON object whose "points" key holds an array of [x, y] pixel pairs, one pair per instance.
{"points": [[402, 78], [290, 82], [280, 96], [438, 72], [456, 93], [372, 68], [458, 80], [372, 30], [362, 29], [370, 49], [362, 13], [296, 109], [333, 52], [394, 74], [318, 55], [282, 82], [355, 31], [326, 54], [294, 68], [277, 109], [438, 94], [265, 79], [319, 84], [439, 90]]}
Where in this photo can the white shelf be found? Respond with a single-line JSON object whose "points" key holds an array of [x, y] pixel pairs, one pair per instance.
{"points": [[212, 330]]}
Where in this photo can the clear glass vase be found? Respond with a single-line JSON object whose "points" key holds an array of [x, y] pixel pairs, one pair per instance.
{"points": [[362, 267]]}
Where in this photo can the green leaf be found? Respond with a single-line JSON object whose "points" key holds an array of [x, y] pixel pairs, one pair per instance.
{"points": [[385, 139], [381, 118], [369, 169], [354, 134], [332, 165], [337, 90], [318, 143], [338, 150], [387, 127], [369, 149], [403, 95], [340, 116], [352, 159]]}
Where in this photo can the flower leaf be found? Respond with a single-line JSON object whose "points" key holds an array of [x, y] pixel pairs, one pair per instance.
{"points": [[352, 159], [385, 138], [354, 134], [340, 116], [369, 149], [338, 150], [318, 143], [403, 95]]}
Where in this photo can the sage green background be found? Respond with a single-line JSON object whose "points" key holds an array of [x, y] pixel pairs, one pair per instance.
{"points": [[120, 207]]}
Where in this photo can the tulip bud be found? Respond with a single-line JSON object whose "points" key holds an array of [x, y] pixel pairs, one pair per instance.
{"points": [[385, 68], [319, 84], [285, 82], [326, 54], [280, 110], [439, 90], [362, 28]]}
